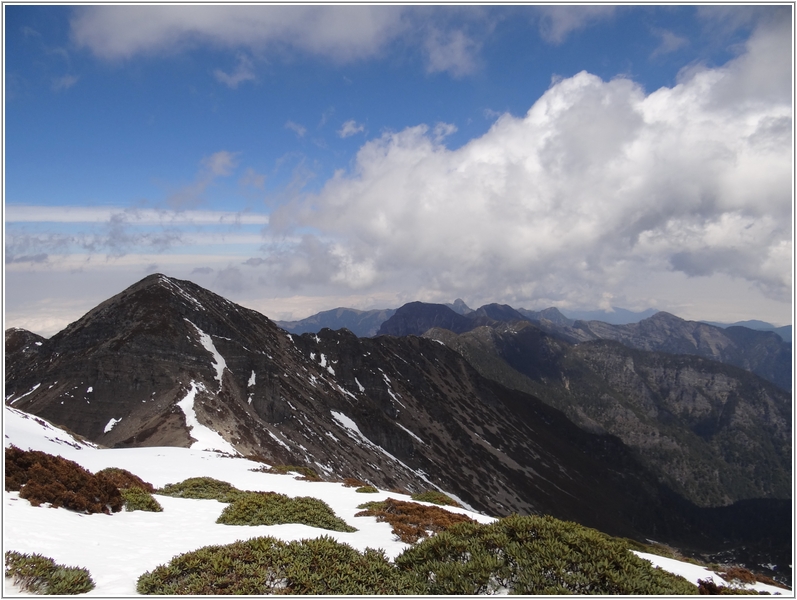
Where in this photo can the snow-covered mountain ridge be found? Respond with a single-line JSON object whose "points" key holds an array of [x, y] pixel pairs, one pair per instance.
{"points": [[167, 363], [118, 548]]}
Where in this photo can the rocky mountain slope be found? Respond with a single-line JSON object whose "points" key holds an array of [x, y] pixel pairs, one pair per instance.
{"points": [[761, 352], [166, 356], [714, 433]]}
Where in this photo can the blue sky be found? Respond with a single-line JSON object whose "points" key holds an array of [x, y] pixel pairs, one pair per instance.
{"points": [[298, 158]]}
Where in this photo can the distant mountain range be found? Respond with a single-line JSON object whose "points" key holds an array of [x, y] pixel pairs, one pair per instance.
{"points": [[633, 429], [362, 323], [784, 332], [366, 323]]}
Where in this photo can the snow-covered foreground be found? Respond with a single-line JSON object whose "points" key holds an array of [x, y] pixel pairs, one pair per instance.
{"points": [[118, 548]]}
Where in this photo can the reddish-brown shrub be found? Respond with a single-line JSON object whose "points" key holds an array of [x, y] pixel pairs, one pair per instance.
{"points": [[43, 478], [353, 482], [124, 479], [738, 574], [707, 587], [412, 521]]}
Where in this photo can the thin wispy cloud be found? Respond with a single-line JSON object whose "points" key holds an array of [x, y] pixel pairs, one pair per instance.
{"points": [[219, 164], [299, 130], [557, 22], [244, 71], [451, 51], [350, 128], [15, 213], [64, 83], [670, 42]]}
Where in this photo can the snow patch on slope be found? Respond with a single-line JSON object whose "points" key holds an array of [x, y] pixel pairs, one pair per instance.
{"points": [[111, 424], [218, 360], [412, 434], [28, 432], [33, 389], [206, 438]]}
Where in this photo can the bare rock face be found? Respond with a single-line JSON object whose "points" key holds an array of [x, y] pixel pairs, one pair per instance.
{"points": [[166, 362]]}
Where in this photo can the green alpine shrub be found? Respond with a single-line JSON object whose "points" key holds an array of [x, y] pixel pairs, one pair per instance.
{"points": [[38, 574], [367, 489], [534, 555], [203, 488], [266, 565], [306, 473], [434, 497], [270, 508], [137, 499]]}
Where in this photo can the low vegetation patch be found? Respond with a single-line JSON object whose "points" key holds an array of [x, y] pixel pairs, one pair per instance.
{"points": [[526, 555], [305, 473], [707, 587], [202, 488], [270, 508], [353, 482], [411, 521], [124, 479], [38, 574], [367, 489], [137, 499], [534, 555], [42, 478], [266, 565], [435, 497]]}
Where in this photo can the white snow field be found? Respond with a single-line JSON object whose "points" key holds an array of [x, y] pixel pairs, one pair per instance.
{"points": [[118, 548]]}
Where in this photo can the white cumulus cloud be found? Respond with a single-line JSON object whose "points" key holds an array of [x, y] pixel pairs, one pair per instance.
{"points": [[597, 186]]}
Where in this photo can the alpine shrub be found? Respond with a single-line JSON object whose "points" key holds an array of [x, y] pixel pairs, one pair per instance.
{"points": [[137, 499], [270, 508], [266, 565], [306, 473], [38, 574], [367, 489], [203, 488], [707, 587], [738, 574], [43, 478], [435, 497], [124, 479], [411, 521], [353, 482], [534, 555]]}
